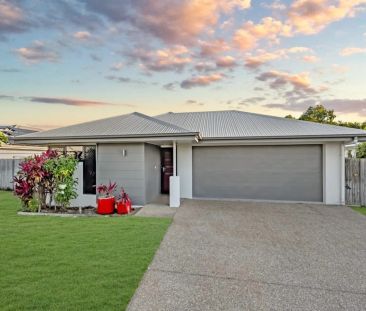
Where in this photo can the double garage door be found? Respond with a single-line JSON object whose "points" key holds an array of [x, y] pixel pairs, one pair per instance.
{"points": [[285, 173]]}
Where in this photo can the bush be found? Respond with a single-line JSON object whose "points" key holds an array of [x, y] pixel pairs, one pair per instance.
{"points": [[47, 174], [361, 151]]}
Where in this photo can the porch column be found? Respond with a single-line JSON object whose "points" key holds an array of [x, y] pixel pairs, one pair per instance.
{"points": [[174, 193], [174, 158]]}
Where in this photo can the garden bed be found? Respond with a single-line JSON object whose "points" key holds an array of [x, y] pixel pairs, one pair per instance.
{"points": [[73, 212]]}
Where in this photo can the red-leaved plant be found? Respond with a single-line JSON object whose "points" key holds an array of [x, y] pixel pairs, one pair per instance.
{"points": [[107, 190], [33, 178]]}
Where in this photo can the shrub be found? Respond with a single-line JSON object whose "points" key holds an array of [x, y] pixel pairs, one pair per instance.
{"points": [[361, 151], [47, 174]]}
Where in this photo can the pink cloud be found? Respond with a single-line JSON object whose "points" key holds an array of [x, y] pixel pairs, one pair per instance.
{"points": [[70, 101], [226, 62], [312, 16], [310, 58], [173, 21], [279, 79], [202, 80], [352, 50], [247, 37], [262, 57], [174, 58], [37, 52], [11, 17], [210, 48], [82, 35]]}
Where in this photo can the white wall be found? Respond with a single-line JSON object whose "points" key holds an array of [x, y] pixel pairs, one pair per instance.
{"points": [[184, 156], [82, 199], [334, 173]]}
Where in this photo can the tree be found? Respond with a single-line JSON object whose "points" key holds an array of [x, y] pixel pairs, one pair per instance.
{"points": [[3, 138], [361, 151], [290, 116], [318, 114]]}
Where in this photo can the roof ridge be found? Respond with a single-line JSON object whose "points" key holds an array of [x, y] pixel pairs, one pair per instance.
{"points": [[161, 122]]}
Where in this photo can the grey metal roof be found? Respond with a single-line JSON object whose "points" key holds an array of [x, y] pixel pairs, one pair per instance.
{"points": [[245, 125], [134, 124]]}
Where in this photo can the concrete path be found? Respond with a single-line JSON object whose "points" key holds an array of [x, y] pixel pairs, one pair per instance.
{"points": [[256, 256], [156, 210]]}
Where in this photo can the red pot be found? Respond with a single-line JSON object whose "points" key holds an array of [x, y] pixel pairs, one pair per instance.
{"points": [[122, 208], [106, 206], [129, 205]]}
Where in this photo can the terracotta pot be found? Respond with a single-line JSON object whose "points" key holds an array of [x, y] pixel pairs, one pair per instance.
{"points": [[122, 208], [106, 206]]}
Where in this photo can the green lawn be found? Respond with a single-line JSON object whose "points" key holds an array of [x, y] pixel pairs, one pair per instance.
{"points": [[87, 263], [360, 209]]}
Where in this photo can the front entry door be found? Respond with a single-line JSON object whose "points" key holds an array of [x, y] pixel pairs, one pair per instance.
{"points": [[166, 168]]}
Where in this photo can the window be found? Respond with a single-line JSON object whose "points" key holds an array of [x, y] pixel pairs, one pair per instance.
{"points": [[89, 171]]}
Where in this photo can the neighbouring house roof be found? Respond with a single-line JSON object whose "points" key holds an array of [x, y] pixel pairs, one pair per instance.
{"points": [[206, 125], [244, 125], [129, 125]]}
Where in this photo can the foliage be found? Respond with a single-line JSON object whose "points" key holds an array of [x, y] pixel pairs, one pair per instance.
{"points": [[95, 263], [42, 175], [361, 151], [290, 116], [123, 197], [62, 169], [318, 114], [3, 138], [107, 190], [33, 180]]}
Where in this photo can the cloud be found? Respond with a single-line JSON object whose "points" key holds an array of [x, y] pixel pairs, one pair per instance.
{"points": [[12, 18], [346, 106], [352, 50], [226, 62], [194, 102], [68, 101], [310, 58], [311, 16], [275, 5], [262, 57], [37, 52], [201, 80], [117, 66], [170, 86], [205, 66], [123, 79], [82, 35], [173, 21], [174, 58], [280, 79], [210, 48], [95, 57], [339, 69], [247, 37], [252, 100]]}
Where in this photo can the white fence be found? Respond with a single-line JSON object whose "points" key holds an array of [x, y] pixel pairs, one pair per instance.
{"points": [[8, 168]]}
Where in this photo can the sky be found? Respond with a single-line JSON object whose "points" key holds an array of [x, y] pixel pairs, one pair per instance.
{"points": [[66, 61]]}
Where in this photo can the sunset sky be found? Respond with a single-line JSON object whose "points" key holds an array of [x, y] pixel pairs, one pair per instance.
{"points": [[68, 61]]}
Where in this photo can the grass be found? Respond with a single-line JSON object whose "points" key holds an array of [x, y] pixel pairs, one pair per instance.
{"points": [[360, 209], [86, 263]]}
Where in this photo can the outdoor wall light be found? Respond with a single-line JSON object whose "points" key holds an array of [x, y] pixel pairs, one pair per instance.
{"points": [[124, 153]]}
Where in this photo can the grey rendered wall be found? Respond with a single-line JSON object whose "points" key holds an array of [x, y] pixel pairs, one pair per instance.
{"points": [[286, 173], [126, 171], [152, 172]]}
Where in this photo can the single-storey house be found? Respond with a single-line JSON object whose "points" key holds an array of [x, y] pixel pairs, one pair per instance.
{"points": [[230, 155]]}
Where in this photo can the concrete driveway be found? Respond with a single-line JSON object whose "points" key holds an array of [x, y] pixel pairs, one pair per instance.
{"points": [[258, 256]]}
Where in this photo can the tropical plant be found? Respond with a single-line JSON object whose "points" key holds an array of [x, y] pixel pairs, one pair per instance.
{"points": [[62, 169], [107, 190], [49, 174]]}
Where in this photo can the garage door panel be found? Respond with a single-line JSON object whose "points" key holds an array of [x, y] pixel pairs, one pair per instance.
{"points": [[292, 173]]}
